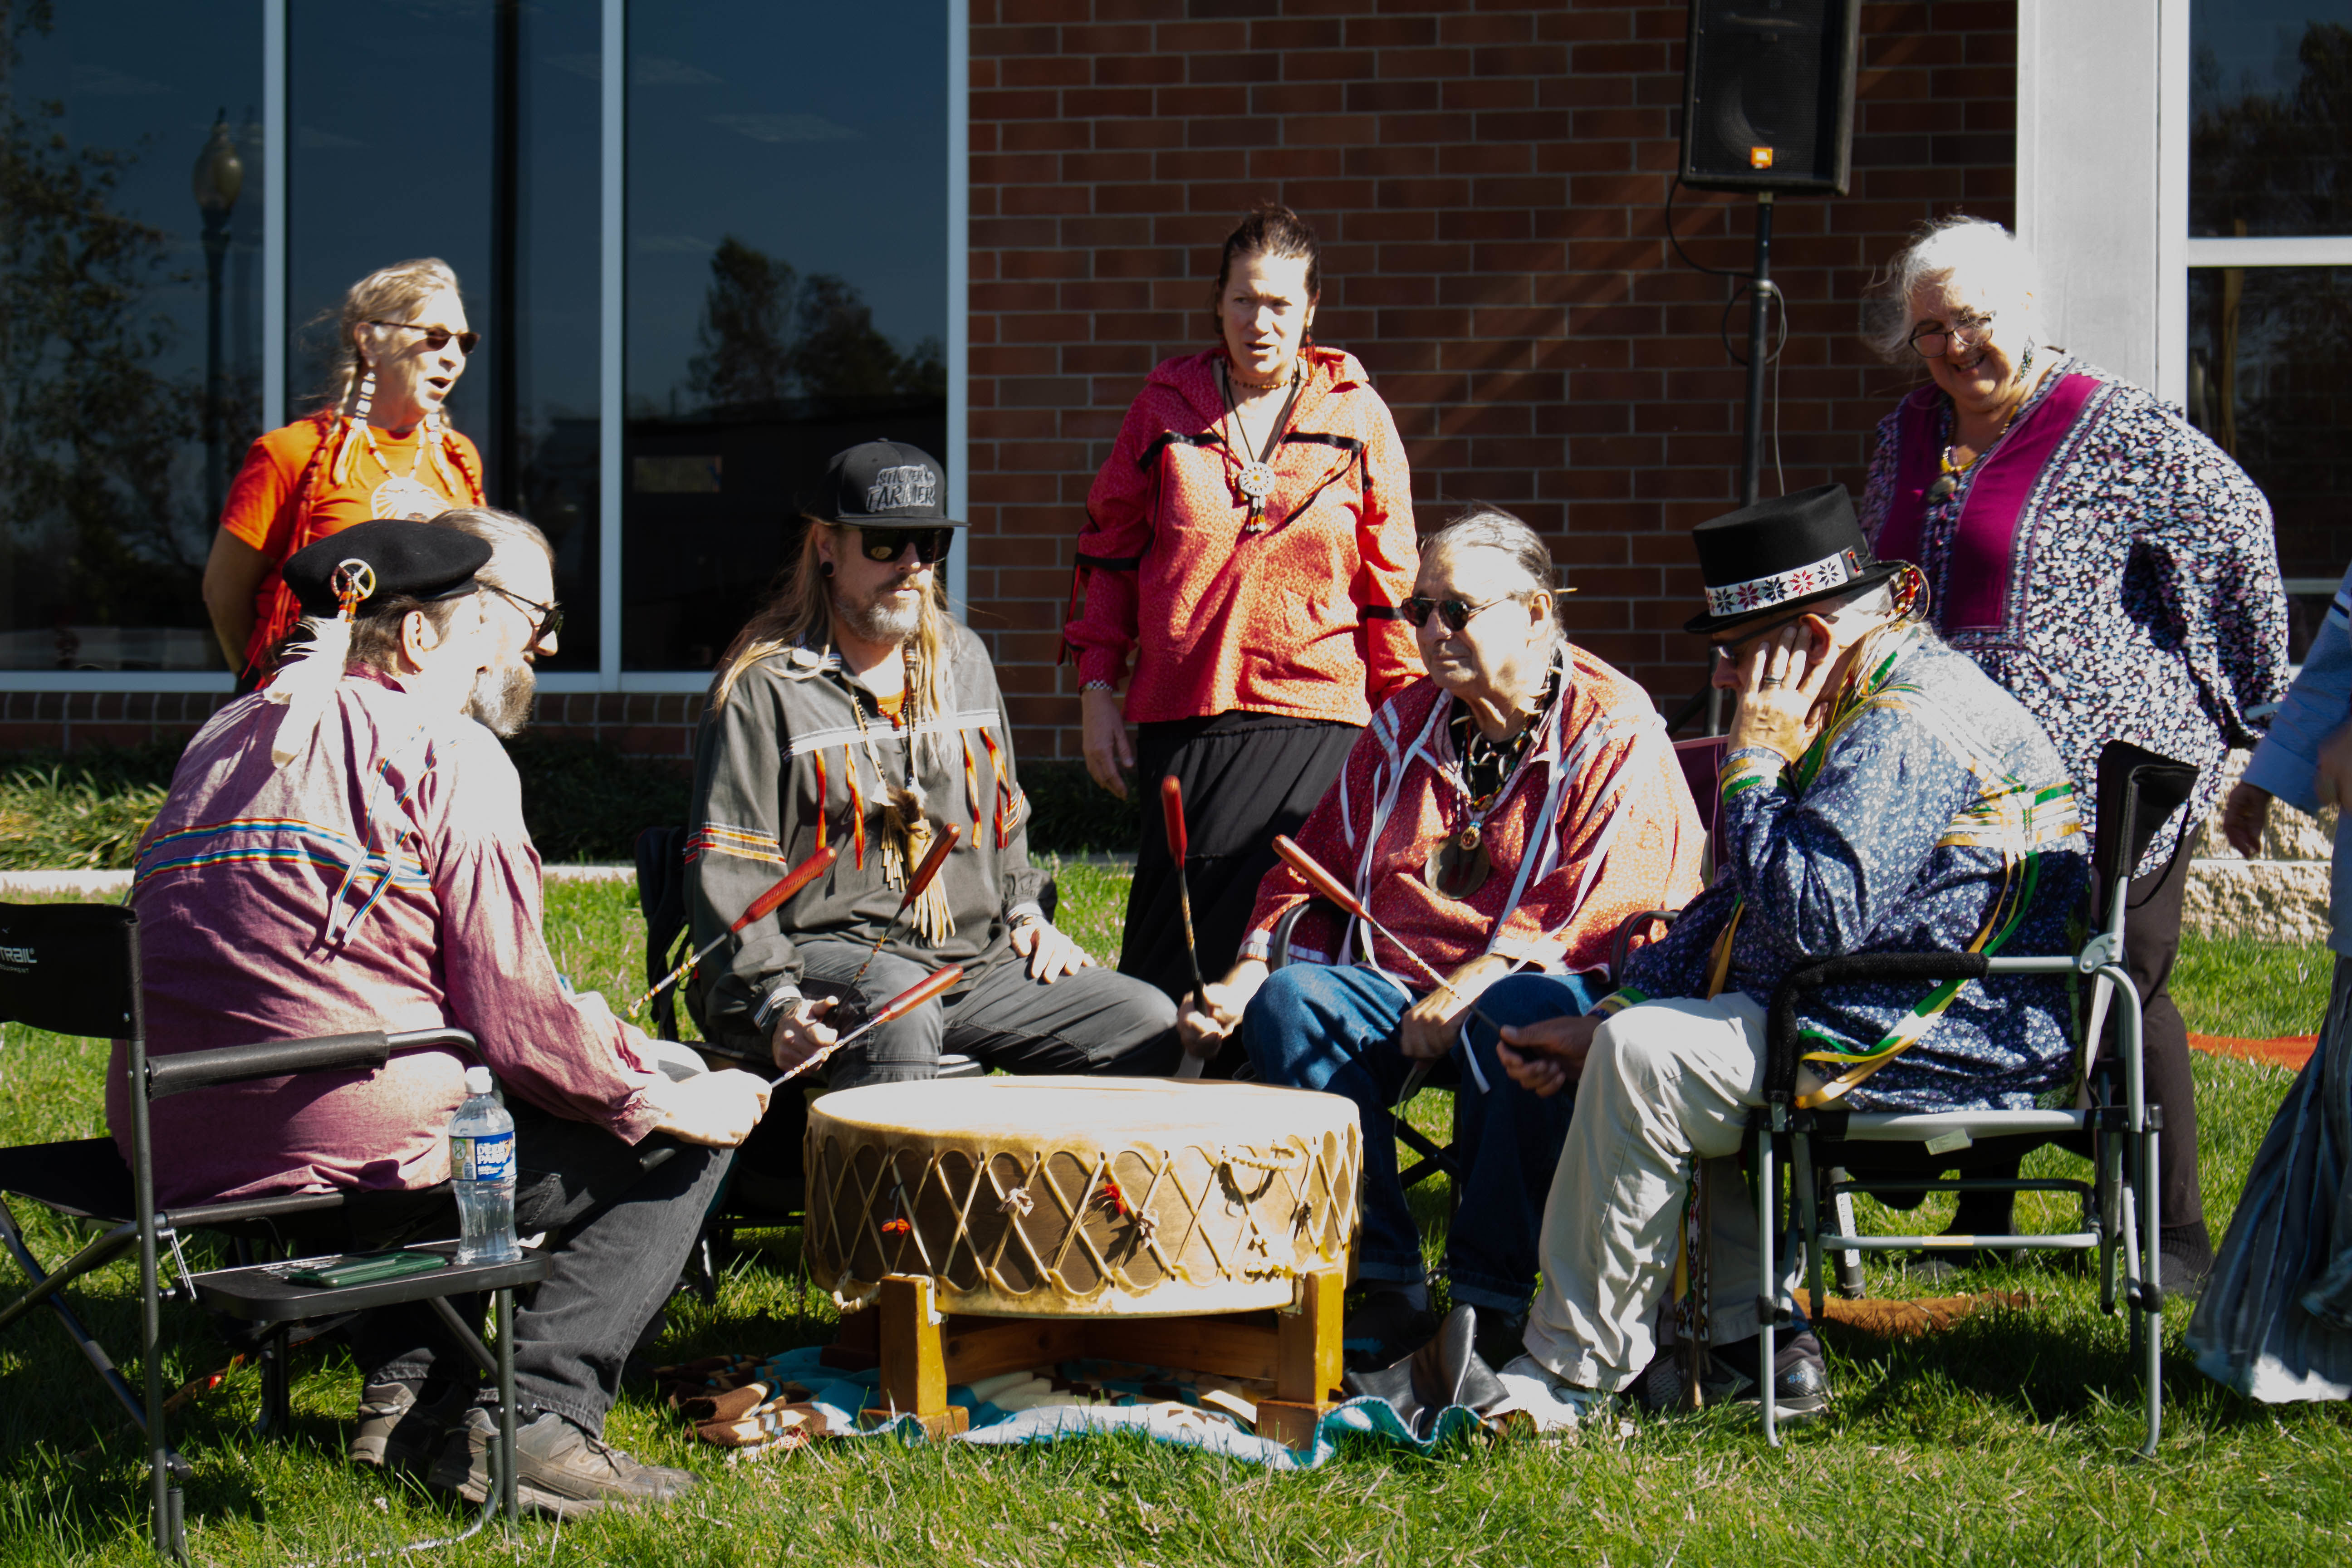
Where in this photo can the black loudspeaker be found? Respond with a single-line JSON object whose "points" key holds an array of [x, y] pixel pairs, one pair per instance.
{"points": [[1767, 95]]}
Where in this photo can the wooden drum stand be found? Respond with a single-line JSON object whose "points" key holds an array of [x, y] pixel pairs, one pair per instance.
{"points": [[1002, 1224]]}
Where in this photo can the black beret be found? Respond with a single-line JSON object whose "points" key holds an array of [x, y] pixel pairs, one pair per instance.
{"points": [[417, 559]]}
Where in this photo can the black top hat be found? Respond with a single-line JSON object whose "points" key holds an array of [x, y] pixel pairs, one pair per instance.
{"points": [[1783, 555], [885, 484], [417, 559]]}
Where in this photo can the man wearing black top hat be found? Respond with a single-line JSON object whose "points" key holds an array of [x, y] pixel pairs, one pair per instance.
{"points": [[854, 712], [345, 850], [1879, 794]]}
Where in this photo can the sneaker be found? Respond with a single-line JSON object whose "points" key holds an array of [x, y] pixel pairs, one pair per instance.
{"points": [[1385, 1330], [398, 1430], [1801, 1380], [561, 1470], [1555, 1407]]}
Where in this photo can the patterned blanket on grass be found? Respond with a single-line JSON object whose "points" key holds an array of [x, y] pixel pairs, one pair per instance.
{"points": [[792, 1400]]}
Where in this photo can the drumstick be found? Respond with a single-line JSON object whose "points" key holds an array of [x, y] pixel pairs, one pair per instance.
{"points": [[1172, 807], [791, 882], [1331, 888], [915, 886], [907, 1001]]}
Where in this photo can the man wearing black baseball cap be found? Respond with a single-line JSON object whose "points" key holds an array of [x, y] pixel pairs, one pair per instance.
{"points": [[345, 851], [1879, 794], [854, 711]]}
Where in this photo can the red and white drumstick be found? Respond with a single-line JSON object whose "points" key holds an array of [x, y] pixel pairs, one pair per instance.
{"points": [[899, 1007], [791, 882], [1172, 807], [915, 886], [1331, 888]]}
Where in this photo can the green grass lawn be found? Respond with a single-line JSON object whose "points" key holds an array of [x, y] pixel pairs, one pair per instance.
{"points": [[2008, 1439]]}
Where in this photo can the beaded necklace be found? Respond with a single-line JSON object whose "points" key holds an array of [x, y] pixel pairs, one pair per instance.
{"points": [[907, 833]]}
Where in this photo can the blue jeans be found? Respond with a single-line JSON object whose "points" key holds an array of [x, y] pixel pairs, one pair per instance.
{"points": [[1335, 1029]]}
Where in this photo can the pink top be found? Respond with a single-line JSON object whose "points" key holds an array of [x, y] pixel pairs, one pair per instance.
{"points": [[236, 884]]}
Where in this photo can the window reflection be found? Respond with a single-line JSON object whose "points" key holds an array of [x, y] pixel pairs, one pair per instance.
{"points": [[131, 396], [2268, 348], [2270, 94], [787, 286], [466, 130]]}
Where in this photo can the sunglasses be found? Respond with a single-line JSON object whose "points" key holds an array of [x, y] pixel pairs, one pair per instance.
{"points": [[550, 618], [889, 543], [437, 337], [1455, 613]]}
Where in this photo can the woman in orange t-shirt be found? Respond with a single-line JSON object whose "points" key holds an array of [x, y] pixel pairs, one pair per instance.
{"points": [[382, 448]]}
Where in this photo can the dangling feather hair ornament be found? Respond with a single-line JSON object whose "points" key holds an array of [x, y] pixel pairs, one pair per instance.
{"points": [[306, 681]]}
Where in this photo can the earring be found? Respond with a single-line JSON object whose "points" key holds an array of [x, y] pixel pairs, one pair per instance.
{"points": [[824, 568], [367, 395]]}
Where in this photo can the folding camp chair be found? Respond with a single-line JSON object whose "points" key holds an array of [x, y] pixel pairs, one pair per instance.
{"points": [[2138, 790], [73, 969]]}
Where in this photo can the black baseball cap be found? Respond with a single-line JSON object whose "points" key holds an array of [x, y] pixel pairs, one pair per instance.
{"points": [[415, 559], [884, 484]]}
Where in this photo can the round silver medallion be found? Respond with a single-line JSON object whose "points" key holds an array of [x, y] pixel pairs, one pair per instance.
{"points": [[1256, 481], [402, 497]]}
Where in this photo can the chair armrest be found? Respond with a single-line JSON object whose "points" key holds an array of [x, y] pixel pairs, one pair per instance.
{"points": [[1277, 953], [1780, 1027], [1621, 946], [168, 1075]]}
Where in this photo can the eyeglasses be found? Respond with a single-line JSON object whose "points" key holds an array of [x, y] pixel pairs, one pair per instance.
{"points": [[1933, 339], [889, 543], [437, 337], [1455, 613], [550, 617]]}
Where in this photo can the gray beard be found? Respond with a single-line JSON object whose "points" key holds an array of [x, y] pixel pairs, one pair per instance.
{"points": [[502, 700], [875, 621]]}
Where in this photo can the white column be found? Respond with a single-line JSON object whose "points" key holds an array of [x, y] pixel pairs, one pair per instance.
{"points": [[2091, 178]]}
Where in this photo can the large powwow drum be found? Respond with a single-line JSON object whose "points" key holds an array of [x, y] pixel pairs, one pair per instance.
{"points": [[1045, 1197]]}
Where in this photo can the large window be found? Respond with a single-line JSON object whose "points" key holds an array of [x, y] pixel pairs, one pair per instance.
{"points": [[130, 322], [787, 286], [2270, 280], [467, 133], [695, 277]]}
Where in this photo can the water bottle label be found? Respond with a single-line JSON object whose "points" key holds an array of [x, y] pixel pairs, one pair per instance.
{"points": [[488, 1158]]}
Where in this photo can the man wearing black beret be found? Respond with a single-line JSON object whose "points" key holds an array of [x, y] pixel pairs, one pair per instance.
{"points": [[345, 850], [1879, 794]]}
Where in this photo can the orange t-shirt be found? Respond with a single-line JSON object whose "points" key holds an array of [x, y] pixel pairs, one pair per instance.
{"points": [[265, 504]]}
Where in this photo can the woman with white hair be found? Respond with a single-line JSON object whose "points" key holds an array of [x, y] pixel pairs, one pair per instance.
{"points": [[381, 446], [2103, 560], [1501, 817]]}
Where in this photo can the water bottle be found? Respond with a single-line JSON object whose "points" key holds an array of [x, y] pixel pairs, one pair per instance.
{"points": [[482, 1173]]}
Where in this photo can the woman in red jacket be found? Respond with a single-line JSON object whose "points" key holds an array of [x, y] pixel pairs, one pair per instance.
{"points": [[1247, 543]]}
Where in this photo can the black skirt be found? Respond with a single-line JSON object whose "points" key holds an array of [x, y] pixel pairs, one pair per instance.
{"points": [[1245, 777]]}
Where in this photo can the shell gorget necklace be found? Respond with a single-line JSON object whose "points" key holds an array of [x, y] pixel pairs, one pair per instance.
{"points": [[1255, 480]]}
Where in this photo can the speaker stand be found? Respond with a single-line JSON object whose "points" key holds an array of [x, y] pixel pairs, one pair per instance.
{"points": [[1759, 310], [1751, 450]]}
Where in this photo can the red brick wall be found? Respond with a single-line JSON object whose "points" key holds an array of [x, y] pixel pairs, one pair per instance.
{"points": [[1490, 179]]}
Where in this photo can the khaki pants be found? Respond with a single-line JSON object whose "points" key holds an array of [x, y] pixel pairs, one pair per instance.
{"points": [[1667, 1084]]}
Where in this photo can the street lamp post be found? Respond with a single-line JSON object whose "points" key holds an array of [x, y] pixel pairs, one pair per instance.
{"points": [[220, 177]]}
